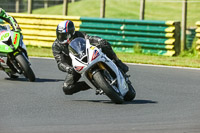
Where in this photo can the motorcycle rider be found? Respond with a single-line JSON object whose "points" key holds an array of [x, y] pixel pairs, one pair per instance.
{"points": [[10, 20], [4, 16], [65, 33]]}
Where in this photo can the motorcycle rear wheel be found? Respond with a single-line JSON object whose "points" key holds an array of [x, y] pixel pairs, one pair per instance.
{"points": [[107, 88], [27, 71]]}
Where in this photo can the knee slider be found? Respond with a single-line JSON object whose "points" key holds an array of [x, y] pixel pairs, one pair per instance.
{"points": [[67, 90]]}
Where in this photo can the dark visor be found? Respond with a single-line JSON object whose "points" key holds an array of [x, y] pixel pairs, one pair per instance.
{"points": [[62, 36]]}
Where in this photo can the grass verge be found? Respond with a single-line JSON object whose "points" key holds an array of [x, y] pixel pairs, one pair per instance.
{"points": [[186, 59]]}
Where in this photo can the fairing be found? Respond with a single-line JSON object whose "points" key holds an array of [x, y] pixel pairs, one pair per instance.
{"points": [[95, 56], [4, 35]]}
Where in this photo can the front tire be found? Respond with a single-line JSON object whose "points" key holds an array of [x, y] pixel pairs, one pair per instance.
{"points": [[130, 95], [26, 69], [107, 88]]}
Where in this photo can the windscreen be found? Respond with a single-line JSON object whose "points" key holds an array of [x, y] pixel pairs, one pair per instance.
{"points": [[78, 47]]}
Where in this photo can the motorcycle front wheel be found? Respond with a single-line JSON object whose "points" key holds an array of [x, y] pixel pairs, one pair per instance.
{"points": [[100, 80], [130, 95], [26, 69]]}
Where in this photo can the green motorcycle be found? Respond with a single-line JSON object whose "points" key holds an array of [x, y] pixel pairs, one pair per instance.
{"points": [[13, 55]]}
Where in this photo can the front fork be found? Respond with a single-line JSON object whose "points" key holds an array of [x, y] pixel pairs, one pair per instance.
{"points": [[14, 63], [100, 66], [90, 74]]}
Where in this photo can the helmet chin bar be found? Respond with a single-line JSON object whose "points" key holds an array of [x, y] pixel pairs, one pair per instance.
{"points": [[69, 36], [64, 42]]}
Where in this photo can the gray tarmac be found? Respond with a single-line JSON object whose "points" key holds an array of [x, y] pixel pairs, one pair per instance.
{"points": [[167, 101]]}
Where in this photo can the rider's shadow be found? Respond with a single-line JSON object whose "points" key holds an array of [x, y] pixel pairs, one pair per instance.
{"points": [[48, 80], [37, 80], [136, 101], [16, 79]]}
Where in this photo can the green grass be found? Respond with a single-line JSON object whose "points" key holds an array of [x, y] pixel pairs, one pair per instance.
{"points": [[129, 9], [39, 52], [186, 59], [161, 60]]}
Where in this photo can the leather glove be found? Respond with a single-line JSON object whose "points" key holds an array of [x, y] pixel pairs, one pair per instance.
{"points": [[69, 70], [17, 28]]}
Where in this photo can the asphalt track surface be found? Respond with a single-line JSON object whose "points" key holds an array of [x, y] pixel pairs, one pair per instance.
{"points": [[167, 101]]}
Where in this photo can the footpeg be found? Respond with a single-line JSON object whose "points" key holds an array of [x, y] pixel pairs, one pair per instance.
{"points": [[99, 92]]}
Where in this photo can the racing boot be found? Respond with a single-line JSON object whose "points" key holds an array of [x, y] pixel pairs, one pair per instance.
{"points": [[10, 73], [121, 65], [12, 76], [107, 49]]}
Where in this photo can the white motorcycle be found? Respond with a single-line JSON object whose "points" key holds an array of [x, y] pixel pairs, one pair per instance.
{"points": [[99, 72]]}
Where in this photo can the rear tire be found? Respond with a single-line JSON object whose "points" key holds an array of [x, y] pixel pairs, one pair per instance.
{"points": [[26, 69], [107, 88]]}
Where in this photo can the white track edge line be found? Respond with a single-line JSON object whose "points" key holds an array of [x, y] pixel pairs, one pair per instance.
{"points": [[178, 67]]}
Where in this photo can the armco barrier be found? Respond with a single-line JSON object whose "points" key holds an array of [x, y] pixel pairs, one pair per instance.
{"points": [[40, 30], [190, 37], [159, 37], [198, 36]]}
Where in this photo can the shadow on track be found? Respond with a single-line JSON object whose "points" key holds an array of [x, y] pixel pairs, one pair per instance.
{"points": [[137, 101], [38, 80], [47, 80], [17, 79]]}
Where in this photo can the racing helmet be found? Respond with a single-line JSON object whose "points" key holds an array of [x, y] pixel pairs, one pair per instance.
{"points": [[65, 31]]}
